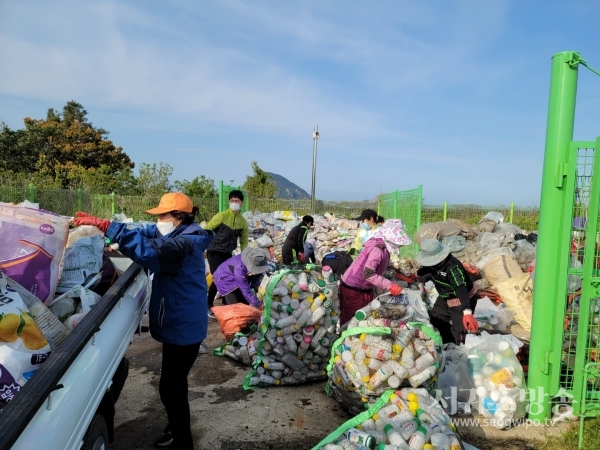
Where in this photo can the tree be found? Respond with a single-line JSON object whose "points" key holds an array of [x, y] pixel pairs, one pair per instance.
{"points": [[153, 179], [200, 187], [260, 184], [60, 146]]}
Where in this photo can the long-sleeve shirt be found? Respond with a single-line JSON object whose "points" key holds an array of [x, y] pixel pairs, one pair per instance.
{"points": [[366, 270], [228, 227], [232, 275], [451, 281], [296, 238]]}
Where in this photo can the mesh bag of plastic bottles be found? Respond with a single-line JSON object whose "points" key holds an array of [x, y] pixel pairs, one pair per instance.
{"points": [[241, 347], [404, 419], [383, 348], [493, 375], [297, 328]]}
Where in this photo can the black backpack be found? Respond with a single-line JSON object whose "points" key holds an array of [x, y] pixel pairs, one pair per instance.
{"points": [[338, 261]]}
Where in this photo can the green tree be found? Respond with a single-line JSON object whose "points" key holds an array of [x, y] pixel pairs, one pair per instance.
{"points": [[153, 179], [60, 147], [200, 187], [260, 184]]}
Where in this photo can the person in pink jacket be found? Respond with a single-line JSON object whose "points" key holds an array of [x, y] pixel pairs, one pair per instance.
{"points": [[357, 283]]}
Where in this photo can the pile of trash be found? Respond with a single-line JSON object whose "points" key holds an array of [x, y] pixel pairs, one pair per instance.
{"points": [[499, 256], [403, 419], [388, 344], [329, 233], [53, 276]]}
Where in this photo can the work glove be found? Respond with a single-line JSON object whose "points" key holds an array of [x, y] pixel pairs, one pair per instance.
{"points": [[395, 290], [82, 218], [469, 322], [301, 258]]}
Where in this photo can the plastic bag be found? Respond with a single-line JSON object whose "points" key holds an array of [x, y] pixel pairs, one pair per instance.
{"points": [[398, 419], [436, 230], [524, 253], [495, 216], [23, 346], [235, 318], [492, 317], [285, 215], [487, 256], [501, 268], [455, 243], [82, 260], [517, 295], [33, 243]]}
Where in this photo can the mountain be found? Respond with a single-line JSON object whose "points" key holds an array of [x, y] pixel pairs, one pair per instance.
{"points": [[288, 190]]}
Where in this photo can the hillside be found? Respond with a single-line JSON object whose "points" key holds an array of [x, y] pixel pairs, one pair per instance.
{"points": [[288, 190]]}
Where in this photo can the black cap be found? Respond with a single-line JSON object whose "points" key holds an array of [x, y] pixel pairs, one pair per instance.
{"points": [[366, 214]]}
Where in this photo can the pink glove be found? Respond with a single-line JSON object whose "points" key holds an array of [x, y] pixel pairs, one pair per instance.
{"points": [[87, 219], [395, 290], [469, 322]]}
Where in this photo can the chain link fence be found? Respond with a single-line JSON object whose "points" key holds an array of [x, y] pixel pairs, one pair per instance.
{"points": [[397, 204]]}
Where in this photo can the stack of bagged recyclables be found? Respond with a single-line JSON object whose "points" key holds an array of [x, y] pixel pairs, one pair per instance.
{"points": [[296, 330], [387, 345], [404, 419], [331, 234], [503, 254]]}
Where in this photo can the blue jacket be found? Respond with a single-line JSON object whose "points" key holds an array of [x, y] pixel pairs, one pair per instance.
{"points": [[178, 305]]}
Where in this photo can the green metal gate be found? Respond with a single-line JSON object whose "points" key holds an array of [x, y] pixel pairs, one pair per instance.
{"points": [[405, 205], [565, 336]]}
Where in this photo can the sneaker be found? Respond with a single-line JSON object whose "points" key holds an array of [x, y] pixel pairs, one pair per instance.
{"points": [[211, 315], [165, 439], [202, 350]]}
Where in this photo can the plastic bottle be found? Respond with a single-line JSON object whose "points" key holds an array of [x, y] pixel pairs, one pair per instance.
{"points": [[373, 363], [295, 304], [292, 362], [319, 334], [393, 435], [279, 291], [371, 339], [407, 428], [419, 347], [285, 322], [388, 411], [303, 281], [254, 381], [320, 350], [268, 379], [420, 378], [327, 274], [290, 343], [289, 281], [421, 363], [378, 353], [380, 376], [502, 376], [359, 358], [317, 301], [418, 439], [408, 357], [317, 315], [363, 313], [394, 381], [290, 329], [399, 370], [303, 347]]}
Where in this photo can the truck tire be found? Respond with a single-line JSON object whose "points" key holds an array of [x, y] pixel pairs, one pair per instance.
{"points": [[96, 436]]}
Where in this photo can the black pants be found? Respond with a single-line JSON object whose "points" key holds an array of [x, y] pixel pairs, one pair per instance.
{"points": [[288, 255], [215, 259], [234, 297], [177, 360], [441, 315]]}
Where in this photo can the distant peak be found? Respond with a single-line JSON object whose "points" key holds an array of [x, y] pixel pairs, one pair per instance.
{"points": [[288, 190]]}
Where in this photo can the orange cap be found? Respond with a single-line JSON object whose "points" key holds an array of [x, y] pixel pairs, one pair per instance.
{"points": [[173, 201]]}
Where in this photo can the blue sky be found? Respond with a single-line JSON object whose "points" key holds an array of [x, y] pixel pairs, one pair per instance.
{"points": [[448, 94]]}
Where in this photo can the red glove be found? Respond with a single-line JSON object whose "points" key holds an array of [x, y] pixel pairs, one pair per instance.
{"points": [[395, 290], [301, 258], [469, 322], [82, 218]]}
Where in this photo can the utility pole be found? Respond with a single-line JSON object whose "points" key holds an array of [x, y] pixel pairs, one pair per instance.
{"points": [[314, 170]]}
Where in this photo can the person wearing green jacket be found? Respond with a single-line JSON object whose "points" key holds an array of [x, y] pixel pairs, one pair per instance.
{"points": [[228, 226]]}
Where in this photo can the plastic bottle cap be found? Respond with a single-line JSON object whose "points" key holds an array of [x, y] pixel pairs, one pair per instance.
{"points": [[362, 337], [412, 397], [375, 417], [321, 283], [387, 428]]}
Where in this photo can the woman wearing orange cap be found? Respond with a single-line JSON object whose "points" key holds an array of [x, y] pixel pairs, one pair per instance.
{"points": [[174, 250]]}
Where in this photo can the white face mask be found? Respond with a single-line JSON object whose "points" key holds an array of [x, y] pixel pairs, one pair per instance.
{"points": [[235, 207], [165, 228]]}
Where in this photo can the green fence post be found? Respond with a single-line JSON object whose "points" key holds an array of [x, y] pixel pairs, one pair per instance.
{"points": [[445, 211], [221, 196], [31, 193], [419, 205], [512, 212], [552, 254], [112, 203], [79, 200]]}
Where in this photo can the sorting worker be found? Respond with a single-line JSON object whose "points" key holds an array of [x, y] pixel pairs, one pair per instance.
{"points": [[293, 247], [370, 222], [174, 250], [365, 273], [240, 274], [228, 226], [457, 293]]}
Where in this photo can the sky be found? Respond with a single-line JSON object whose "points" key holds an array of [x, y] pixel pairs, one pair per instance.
{"points": [[448, 94]]}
